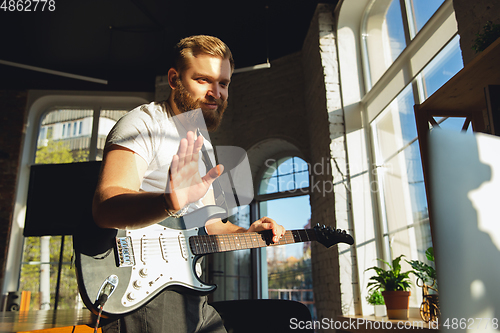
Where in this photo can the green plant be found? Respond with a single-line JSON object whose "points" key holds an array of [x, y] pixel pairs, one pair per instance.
{"points": [[484, 39], [375, 297], [424, 271], [391, 279]]}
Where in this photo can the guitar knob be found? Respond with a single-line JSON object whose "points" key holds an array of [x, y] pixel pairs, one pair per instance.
{"points": [[143, 272], [131, 296], [137, 284]]}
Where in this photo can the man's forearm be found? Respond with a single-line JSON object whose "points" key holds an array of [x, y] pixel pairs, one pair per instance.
{"points": [[122, 209]]}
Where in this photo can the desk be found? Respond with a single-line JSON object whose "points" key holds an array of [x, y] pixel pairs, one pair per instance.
{"points": [[60, 321], [371, 324]]}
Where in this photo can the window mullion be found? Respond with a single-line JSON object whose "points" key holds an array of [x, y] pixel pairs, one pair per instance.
{"points": [[95, 134], [406, 23]]}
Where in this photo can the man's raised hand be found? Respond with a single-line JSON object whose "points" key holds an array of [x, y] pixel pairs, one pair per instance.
{"points": [[185, 184]]}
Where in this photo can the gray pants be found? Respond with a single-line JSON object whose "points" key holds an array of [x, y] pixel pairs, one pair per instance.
{"points": [[170, 312]]}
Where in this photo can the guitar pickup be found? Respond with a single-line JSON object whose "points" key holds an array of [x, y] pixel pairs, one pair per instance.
{"points": [[125, 251]]}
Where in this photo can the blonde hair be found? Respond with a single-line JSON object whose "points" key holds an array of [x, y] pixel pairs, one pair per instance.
{"points": [[195, 45]]}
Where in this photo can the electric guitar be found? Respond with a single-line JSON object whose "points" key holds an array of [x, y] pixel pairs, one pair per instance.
{"points": [[130, 267]]}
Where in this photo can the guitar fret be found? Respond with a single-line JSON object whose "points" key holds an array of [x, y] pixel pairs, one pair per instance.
{"points": [[212, 245], [206, 243], [204, 240], [223, 242], [246, 238], [302, 235], [237, 241]]}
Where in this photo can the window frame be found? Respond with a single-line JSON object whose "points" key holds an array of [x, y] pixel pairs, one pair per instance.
{"points": [[362, 104], [38, 104], [260, 254], [283, 194], [434, 36]]}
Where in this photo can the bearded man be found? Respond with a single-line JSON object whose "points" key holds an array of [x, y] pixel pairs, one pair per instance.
{"points": [[147, 176]]}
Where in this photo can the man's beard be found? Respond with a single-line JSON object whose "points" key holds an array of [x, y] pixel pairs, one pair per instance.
{"points": [[185, 102]]}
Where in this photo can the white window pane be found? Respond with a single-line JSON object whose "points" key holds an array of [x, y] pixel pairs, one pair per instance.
{"points": [[289, 267], [302, 180], [107, 120], [288, 174], [395, 127], [285, 166], [63, 146], [442, 68], [384, 36], [419, 12]]}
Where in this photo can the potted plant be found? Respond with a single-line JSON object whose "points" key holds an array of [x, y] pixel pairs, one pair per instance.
{"points": [[394, 285], [424, 271], [426, 279], [376, 299]]}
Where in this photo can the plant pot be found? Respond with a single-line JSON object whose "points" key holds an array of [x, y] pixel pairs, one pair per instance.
{"points": [[380, 310], [397, 304]]}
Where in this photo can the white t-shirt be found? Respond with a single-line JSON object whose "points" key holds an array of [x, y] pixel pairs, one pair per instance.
{"points": [[153, 134]]}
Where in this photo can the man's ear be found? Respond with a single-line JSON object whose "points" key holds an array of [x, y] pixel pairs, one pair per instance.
{"points": [[172, 78]]}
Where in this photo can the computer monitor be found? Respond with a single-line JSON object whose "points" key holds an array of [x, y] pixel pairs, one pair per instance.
{"points": [[464, 174]]}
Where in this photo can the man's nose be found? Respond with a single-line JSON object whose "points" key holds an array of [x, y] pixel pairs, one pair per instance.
{"points": [[215, 91]]}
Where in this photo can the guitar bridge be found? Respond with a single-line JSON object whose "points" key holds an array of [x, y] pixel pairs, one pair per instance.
{"points": [[125, 251]]}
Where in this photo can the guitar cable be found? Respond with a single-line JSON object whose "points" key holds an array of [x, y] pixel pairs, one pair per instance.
{"points": [[100, 303], [107, 288]]}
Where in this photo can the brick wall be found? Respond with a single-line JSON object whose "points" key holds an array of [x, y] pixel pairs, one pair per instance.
{"points": [[471, 18], [266, 104], [325, 121], [13, 118]]}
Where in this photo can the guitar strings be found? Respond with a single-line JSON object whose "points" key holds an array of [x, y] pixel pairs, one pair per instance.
{"points": [[162, 246]]}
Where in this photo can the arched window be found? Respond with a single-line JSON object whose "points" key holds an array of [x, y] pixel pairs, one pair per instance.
{"points": [[388, 28], [74, 131], [408, 49], [285, 174], [398, 169], [46, 265], [283, 195]]}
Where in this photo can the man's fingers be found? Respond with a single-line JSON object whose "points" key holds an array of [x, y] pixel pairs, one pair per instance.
{"points": [[213, 174], [181, 153], [197, 147], [174, 165], [266, 223], [190, 147]]}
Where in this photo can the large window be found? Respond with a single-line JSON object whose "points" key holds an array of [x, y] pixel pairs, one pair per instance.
{"points": [[410, 48], [283, 196], [389, 27], [65, 135]]}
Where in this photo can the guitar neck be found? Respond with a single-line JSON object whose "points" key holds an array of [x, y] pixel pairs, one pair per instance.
{"points": [[207, 244]]}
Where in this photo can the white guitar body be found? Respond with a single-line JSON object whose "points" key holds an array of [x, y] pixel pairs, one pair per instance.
{"points": [[162, 258], [141, 262]]}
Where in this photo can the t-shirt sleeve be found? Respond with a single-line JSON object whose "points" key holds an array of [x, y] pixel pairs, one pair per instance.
{"points": [[136, 131]]}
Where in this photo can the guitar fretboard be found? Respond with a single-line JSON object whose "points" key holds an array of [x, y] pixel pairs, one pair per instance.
{"points": [[239, 241]]}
